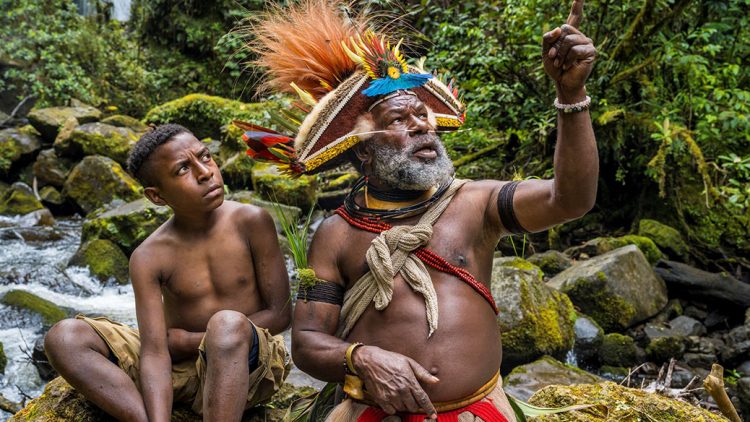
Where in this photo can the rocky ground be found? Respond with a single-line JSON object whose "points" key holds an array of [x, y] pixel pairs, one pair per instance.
{"points": [[613, 308]]}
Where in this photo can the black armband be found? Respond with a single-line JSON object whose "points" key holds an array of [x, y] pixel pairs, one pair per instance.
{"points": [[505, 208], [322, 291]]}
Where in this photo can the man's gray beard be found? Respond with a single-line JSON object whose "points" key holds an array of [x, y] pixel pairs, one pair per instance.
{"points": [[400, 169]]}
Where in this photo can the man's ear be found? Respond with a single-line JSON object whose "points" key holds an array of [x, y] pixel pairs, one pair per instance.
{"points": [[152, 193]]}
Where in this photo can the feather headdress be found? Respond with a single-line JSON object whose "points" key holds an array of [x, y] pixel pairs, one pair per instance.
{"points": [[339, 68]]}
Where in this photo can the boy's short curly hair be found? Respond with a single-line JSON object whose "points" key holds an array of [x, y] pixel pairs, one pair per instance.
{"points": [[145, 146]]}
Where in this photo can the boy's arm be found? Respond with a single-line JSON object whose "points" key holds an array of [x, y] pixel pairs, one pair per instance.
{"points": [[155, 363], [270, 270]]}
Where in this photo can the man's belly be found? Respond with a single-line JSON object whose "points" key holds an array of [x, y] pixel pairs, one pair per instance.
{"points": [[464, 352]]}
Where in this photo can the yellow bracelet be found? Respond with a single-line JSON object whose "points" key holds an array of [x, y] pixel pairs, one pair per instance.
{"points": [[348, 364]]}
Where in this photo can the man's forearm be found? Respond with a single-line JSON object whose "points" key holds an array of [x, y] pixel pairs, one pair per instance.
{"points": [[156, 385], [320, 355], [576, 159]]}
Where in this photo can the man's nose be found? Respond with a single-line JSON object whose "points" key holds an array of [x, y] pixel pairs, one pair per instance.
{"points": [[418, 126]]}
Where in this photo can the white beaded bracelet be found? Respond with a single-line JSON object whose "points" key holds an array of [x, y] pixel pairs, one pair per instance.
{"points": [[573, 108]]}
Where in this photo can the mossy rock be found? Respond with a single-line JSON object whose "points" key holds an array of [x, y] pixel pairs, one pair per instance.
{"points": [[49, 120], [19, 199], [97, 181], [50, 195], [525, 380], [121, 120], [602, 245], [60, 403], [246, 197], [16, 145], [667, 238], [3, 359], [126, 225], [103, 139], [534, 319], [617, 403], [618, 350], [237, 171], [50, 169], [617, 289], [662, 349], [104, 260], [22, 299], [273, 186], [551, 262], [204, 115]]}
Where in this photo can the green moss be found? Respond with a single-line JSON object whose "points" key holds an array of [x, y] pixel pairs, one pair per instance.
{"points": [[550, 262], [127, 226], [299, 192], [666, 237], [661, 349], [237, 171], [617, 350], [307, 277], [49, 312], [608, 309], [104, 259], [616, 403], [9, 152], [100, 139], [97, 181], [121, 120], [646, 245], [341, 182], [19, 199], [618, 372], [204, 115], [48, 120], [3, 359], [522, 264]]}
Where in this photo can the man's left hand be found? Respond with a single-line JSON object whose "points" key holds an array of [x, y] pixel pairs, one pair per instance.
{"points": [[568, 56]]}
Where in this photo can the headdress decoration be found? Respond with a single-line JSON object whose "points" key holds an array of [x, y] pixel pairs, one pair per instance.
{"points": [[340, 68]]}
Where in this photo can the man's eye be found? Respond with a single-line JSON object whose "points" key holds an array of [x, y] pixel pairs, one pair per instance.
{"points": [[396, 121], [207, 157]]}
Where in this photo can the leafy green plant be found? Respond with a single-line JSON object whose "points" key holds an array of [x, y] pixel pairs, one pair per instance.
{"points": [[297, 236]]}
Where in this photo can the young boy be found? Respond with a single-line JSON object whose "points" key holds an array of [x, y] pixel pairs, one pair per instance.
{"points": [[211, 291]]}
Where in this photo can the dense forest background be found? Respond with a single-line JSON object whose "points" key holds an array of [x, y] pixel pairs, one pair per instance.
{"points": [[670, 89]]}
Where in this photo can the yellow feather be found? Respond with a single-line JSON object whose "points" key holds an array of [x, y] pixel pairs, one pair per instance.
{"points": [[304, 95]]}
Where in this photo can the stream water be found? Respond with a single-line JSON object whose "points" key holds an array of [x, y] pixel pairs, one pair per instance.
{"points": [[39, 267]]}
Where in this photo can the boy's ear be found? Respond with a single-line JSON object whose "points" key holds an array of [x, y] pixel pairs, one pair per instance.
{"points": [[152, 193]]}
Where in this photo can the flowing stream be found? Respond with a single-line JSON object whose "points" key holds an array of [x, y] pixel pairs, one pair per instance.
{"points": [[39, 267]]}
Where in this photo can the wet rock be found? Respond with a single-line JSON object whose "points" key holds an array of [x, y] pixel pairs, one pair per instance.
{"points": [[699, 360], [602, 245], [237, 171], [271, 185], [672, 310], [743, 394], [3, 359], [664, 348], [695, 312], [104, 259], [60, 402], [614, 373], [616, 403], [246, 197], [618, 350], [62, 144], [668, 239], [744, 367], [551, 262], [102, 139], [687, 281], [588, 338], [97, 181], [617, 289], [126, 225], [653, 331], [50, 196], [17, 146], [121, 120], [527, 379], [31, 234], [42, 217], [40, 361], [22, 299], [737, 345], [205, 115], [49, 169], [19, 199], [534, 319], [686, 326], [48, 120]]}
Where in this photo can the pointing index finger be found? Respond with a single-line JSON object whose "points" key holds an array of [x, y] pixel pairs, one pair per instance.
{"points": [[576, 14]]}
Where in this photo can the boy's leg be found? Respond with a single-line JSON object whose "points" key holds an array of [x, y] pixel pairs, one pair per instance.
{"points": [[229, 337], [77, 352]]}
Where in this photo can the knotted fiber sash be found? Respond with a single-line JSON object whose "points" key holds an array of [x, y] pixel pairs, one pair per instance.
{"points": [[400, 250]]}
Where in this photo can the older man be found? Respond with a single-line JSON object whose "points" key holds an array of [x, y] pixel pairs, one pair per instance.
{"points": [[398, 308]]}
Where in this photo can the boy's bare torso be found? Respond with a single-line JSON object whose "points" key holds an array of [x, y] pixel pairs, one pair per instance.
{"points": [[201, 274]]}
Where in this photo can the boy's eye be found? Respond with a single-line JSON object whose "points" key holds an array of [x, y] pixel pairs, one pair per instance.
{"points": [[182, 169]]}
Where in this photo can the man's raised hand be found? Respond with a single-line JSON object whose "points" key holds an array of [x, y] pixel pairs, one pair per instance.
{"points": [[568, 56]]}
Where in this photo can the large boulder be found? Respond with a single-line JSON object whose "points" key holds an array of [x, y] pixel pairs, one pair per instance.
{"points": [[667, 238], [101, 139], [602, 245], [534, 319], [60, 402], [17, 147], [616, 403], [273, 186], [551, 262], [126, 225], [96, 181], [617, 289], [525, 380], [50, 169], [121, 120], [48, 120], [22, 299], [19, 199], [104, 259], [205, 115]]}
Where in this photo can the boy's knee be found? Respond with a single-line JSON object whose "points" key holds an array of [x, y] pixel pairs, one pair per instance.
{"points": [[228, 330], [66, 335]]}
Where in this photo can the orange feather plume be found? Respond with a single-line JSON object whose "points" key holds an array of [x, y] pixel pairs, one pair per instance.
{"points": [[301, 44]]}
